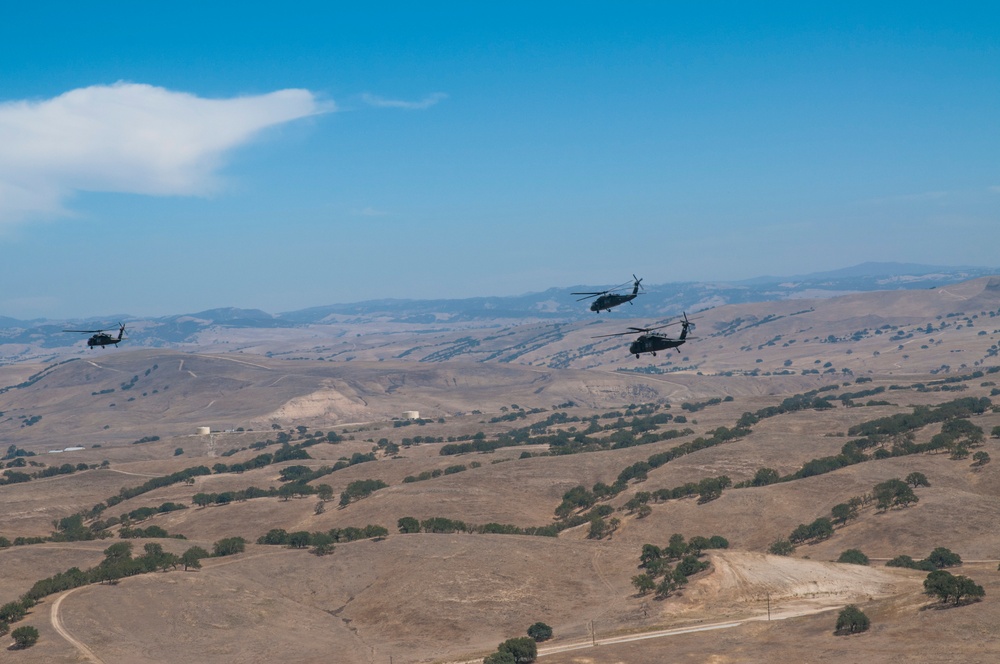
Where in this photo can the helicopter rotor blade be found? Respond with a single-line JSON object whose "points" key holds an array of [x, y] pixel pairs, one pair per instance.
{"points": [[617, 334], [620, 287]]}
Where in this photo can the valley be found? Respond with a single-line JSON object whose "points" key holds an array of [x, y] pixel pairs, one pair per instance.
{"points": [[540, 463]]}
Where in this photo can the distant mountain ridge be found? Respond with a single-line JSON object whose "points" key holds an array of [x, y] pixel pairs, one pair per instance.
{"points": [[881, 270], [552, 305]]}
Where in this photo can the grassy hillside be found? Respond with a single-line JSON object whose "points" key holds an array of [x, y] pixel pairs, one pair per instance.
{"points": [[534, 435]]}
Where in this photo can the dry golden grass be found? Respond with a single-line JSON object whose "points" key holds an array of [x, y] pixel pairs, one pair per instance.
{"points": [[426, 597]]}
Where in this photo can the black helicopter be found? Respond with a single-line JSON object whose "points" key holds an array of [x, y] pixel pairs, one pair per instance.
{"points": [[650, 341], [610, 298], [102, 338]]}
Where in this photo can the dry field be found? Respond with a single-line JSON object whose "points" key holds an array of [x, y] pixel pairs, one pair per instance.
{"points": [[453, 597]]}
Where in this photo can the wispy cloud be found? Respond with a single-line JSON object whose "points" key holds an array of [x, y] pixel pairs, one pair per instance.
{"points": [[995, 189], [129, 138], [382, 102]]}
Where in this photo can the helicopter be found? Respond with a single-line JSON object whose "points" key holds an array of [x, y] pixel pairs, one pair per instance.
{"points": [[609, 298], [102, 338], [650, 341]]}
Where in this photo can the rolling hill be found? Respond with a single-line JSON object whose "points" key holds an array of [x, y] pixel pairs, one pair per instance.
{"points": [[561, 411]]}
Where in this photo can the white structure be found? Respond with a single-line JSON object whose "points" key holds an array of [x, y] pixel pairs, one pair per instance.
{"points": [[204, 431], [73, 449], [411, 414]]}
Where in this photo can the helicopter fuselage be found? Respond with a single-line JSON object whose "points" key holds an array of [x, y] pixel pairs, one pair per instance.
{"points": [[654, 341], [605, 302], [650, 343], [103, 340]]}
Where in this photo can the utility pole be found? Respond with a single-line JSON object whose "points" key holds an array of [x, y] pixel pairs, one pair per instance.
{"points": [[769, 607], [593, 637]]}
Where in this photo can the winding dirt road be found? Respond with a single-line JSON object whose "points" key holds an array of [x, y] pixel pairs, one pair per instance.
{"points": [[57, 624]]}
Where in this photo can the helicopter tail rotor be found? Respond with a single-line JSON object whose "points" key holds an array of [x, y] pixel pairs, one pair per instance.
{"points": [[636, 285]]}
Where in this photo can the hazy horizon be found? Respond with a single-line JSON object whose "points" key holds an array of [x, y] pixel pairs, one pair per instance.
{"points": [[155, 162]]}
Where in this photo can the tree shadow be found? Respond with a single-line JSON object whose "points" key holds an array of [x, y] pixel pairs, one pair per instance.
{"points": [[945, 606]]}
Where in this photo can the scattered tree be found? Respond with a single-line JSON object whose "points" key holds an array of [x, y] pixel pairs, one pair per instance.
{"points": [[853, 557], [910, 563], [945, 586], [843, 512], [229, 546], [781, 548], [408, 524], [893, 493], [25, 637], [299, 539], [523, 648], [764, 477], [540, 632], [968, 590], [644, 583], [322, 544], [942, 557], [192, 557], [852, 620]]}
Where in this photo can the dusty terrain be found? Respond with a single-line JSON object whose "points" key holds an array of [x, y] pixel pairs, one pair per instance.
{"points": [[452, 597]]}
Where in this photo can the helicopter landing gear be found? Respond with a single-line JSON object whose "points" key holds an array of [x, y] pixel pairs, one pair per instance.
{"points": [[654, 353]]}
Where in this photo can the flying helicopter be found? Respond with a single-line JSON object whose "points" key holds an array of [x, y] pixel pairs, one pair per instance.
{"points": [[650, 341], [102, 338], [611, 298]]}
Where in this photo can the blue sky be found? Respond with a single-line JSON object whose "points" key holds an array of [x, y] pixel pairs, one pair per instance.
{"points": [[160, 158]]}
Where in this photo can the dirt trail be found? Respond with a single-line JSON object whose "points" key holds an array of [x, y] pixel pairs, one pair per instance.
{"points": [[61, 629]]}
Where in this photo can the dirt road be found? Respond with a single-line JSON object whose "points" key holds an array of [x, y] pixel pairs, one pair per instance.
{"points": [[61, 629]]}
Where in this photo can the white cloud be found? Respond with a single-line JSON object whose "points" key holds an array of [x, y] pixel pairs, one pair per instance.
{"points": [[382, 102], [128, 138]]}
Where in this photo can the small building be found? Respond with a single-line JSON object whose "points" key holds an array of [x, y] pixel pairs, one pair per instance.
{"points": [[411, 414], [204, 431], [73, 449]]}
